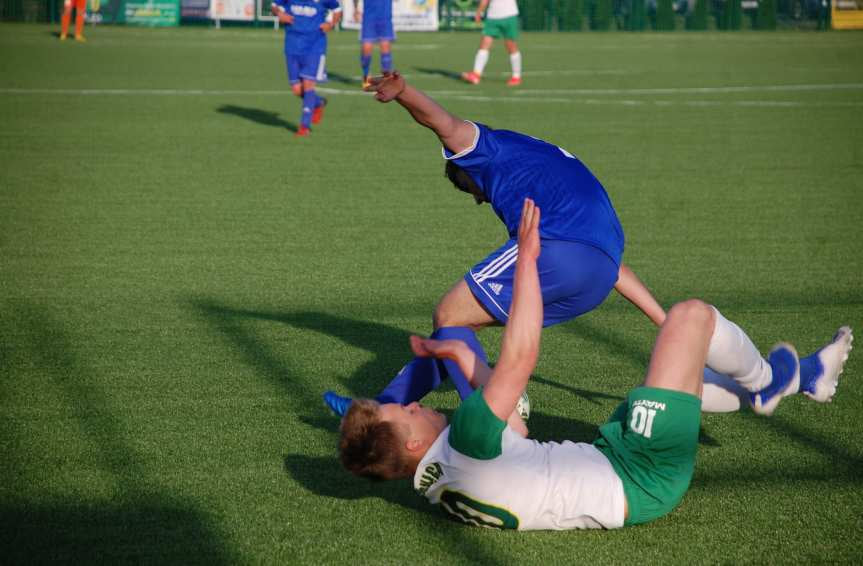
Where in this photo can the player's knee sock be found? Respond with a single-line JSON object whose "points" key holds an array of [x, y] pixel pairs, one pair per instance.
{"points": [[416, 380], [386, 61], [365, 63], [65, 19], [79, 22], [732, 353], [721, 394], [310, 100], [515, 63], [480, 60], [451, 369]]}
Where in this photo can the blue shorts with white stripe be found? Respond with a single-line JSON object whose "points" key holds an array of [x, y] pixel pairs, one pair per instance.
{"points": [[575, 279]]}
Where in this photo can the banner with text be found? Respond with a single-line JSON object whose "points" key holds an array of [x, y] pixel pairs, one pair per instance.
{"points": [[243, 10], [408, 15]]}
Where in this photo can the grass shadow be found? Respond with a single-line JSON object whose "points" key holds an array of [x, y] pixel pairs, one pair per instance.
{"points": [[154, 527], [258, 116], [446, 73], [342, 79]]}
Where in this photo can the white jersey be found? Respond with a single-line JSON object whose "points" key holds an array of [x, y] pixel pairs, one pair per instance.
{"points": [[484, 473], [499, 9]]}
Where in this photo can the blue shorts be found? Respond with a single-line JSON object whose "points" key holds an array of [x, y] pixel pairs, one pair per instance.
{"points": [[377, 29], [575, 278], [309, 67]]}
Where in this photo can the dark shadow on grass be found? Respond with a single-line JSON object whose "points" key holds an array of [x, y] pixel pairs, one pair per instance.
{"points": [[446, 73], [388, 344], [154, 531], [339, 78], [258, 116], [154, 527]]}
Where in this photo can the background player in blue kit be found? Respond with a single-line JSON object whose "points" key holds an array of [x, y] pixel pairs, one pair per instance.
{"points": [[306, 51], [582, 240], [377, 19]]}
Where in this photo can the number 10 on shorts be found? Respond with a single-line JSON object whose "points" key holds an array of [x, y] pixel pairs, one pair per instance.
{"points": [[642, 420]]}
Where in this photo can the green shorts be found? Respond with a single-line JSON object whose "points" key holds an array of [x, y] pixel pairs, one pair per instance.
{"points": [[651, 441], [504, 27]]}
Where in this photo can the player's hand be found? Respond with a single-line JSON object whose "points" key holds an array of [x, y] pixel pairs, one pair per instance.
{"points": [[428, 348], [358, 16], [326, 27], [286, 18], [528, 231], [477, 17], [387, 86]]}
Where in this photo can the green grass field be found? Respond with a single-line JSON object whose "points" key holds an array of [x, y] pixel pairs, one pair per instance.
{"points": [[181, 278]]}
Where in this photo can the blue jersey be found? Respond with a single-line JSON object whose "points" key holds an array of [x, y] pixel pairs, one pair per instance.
{"points": [[378, 9], [509, 167], [304, 36]]}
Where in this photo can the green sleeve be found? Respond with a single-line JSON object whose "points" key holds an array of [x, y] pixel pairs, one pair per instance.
{"points": [[474, 430]]}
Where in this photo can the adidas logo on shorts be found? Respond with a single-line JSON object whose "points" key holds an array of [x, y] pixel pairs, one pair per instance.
{"points": [[496, 287]]}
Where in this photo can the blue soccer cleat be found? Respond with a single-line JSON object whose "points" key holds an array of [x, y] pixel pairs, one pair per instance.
{"points": [[785, 364], [819, 373], [337, 404]]}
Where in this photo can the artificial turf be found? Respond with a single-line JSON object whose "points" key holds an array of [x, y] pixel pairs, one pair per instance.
{"points": [[180, 280]]}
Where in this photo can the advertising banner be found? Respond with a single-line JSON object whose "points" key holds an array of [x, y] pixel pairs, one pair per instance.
{"points": [[153, 12], [847, 14], [104, 11], [194, 9], [242, 10], [408, 15], [459, 14]]}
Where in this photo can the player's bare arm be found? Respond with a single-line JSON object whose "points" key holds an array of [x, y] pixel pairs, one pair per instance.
{"points": [[480, 10], [281, 14], [327, 27], [474, 369], [633, 290], [454, 133], [358, 14], [520, 345]]}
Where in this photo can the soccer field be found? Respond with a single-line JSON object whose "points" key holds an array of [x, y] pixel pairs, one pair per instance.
{"points": [[181, 279]]}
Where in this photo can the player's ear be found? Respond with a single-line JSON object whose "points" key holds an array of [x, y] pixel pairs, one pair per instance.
{"points": [[414, 444]]}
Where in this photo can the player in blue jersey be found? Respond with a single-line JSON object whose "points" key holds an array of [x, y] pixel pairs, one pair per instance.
{"points": [[582, 240], [377, 27], [306, 29], [582, 245]]}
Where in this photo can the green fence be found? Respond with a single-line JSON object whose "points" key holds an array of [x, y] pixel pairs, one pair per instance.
{"points": [[536, 15]]}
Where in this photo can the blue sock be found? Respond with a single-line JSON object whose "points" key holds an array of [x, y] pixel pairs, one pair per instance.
{"points": [[365, 63], [386, 61], [310, 101], [451, 368], [810, 368], [423, 375], [412, 383]]}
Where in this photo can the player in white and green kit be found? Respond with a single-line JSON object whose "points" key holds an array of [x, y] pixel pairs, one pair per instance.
{"points": [[501, 21], [485, 472]]}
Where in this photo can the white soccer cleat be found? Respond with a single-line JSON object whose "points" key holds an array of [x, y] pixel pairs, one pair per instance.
{"points": [[822, 369]]}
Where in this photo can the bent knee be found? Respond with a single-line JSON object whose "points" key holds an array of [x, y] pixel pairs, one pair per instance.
{"points": [[692, 311]]}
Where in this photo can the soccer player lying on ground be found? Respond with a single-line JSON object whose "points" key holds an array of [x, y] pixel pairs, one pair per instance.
{"points": [[637, 469], [580, 236]]}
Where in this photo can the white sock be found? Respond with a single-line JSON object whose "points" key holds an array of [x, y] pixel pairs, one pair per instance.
{"points": [[721, 394], [480, 60], [732, 353], [515, 63]]}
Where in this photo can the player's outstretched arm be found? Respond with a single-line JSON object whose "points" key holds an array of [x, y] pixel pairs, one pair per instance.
{"points": [[474, 369], [633, 290], [520, 347], [454, 133]]}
